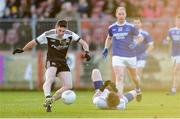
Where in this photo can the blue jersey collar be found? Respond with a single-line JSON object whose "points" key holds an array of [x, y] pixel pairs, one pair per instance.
{"points": [[140, 30], [177, 28], [121, 24]]}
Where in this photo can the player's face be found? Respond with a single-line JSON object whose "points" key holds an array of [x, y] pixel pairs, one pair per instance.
{"points": [[178, 22], [60, 31], [121, 15], [137, 23]]}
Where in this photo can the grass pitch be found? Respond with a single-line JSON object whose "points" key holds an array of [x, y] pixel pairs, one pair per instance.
{"points": [[155, 104]]}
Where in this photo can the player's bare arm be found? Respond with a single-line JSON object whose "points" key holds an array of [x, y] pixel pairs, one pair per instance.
{"points": [[108, 42], [84, 45], [28, 46], [86, 49]]}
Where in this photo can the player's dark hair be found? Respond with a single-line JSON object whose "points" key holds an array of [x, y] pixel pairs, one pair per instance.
{"points": [[62, 23], [112, 87], [112, 100]]}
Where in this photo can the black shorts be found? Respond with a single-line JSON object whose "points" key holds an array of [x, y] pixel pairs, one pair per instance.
{"points": [[61, 65]]}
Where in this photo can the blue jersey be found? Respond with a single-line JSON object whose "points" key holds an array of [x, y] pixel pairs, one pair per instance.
{"points": [[174, 34], [141, 48], [122, 37]]}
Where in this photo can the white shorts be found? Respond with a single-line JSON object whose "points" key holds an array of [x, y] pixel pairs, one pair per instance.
{"points": [[141, 63], [176, 59], [124, 61]]}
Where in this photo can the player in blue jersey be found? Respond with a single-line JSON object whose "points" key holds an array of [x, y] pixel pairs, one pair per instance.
{"points": [[174, 36], [143, 49], [121, 35]]}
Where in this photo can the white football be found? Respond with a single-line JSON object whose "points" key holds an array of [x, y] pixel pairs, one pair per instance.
{"points": [[68, 97]]}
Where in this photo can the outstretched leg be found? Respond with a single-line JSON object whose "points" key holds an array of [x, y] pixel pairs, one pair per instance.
{"points": [[98, 100], [66, 79], [126, 98]]}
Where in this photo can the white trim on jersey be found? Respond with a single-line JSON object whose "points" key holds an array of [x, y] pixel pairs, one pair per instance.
{"points": [[177, 28], [75, 37], [121, 24], [42, 39]]}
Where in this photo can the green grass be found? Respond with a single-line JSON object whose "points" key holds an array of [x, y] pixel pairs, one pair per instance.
{"points": [[29, 104]]}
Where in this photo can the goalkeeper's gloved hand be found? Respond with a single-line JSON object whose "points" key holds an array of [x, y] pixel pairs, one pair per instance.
{"points": [[133, 44], [18, 50], [87, 56], [106, 83], [105, 52]]}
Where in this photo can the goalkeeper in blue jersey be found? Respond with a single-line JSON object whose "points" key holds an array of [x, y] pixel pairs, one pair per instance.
{"points": [[106, 96]]}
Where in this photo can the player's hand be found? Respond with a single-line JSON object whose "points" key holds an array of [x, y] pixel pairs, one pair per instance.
{"points": [[105, 53], [87, 56], [132, 45], [106, 83], [18, 50]]}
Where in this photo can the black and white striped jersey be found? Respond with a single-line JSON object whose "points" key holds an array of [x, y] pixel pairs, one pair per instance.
{"points": [[57, 47]]}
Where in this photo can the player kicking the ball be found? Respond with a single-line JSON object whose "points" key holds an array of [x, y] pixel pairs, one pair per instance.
{"points": [[106, 95], [58, 41]]}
